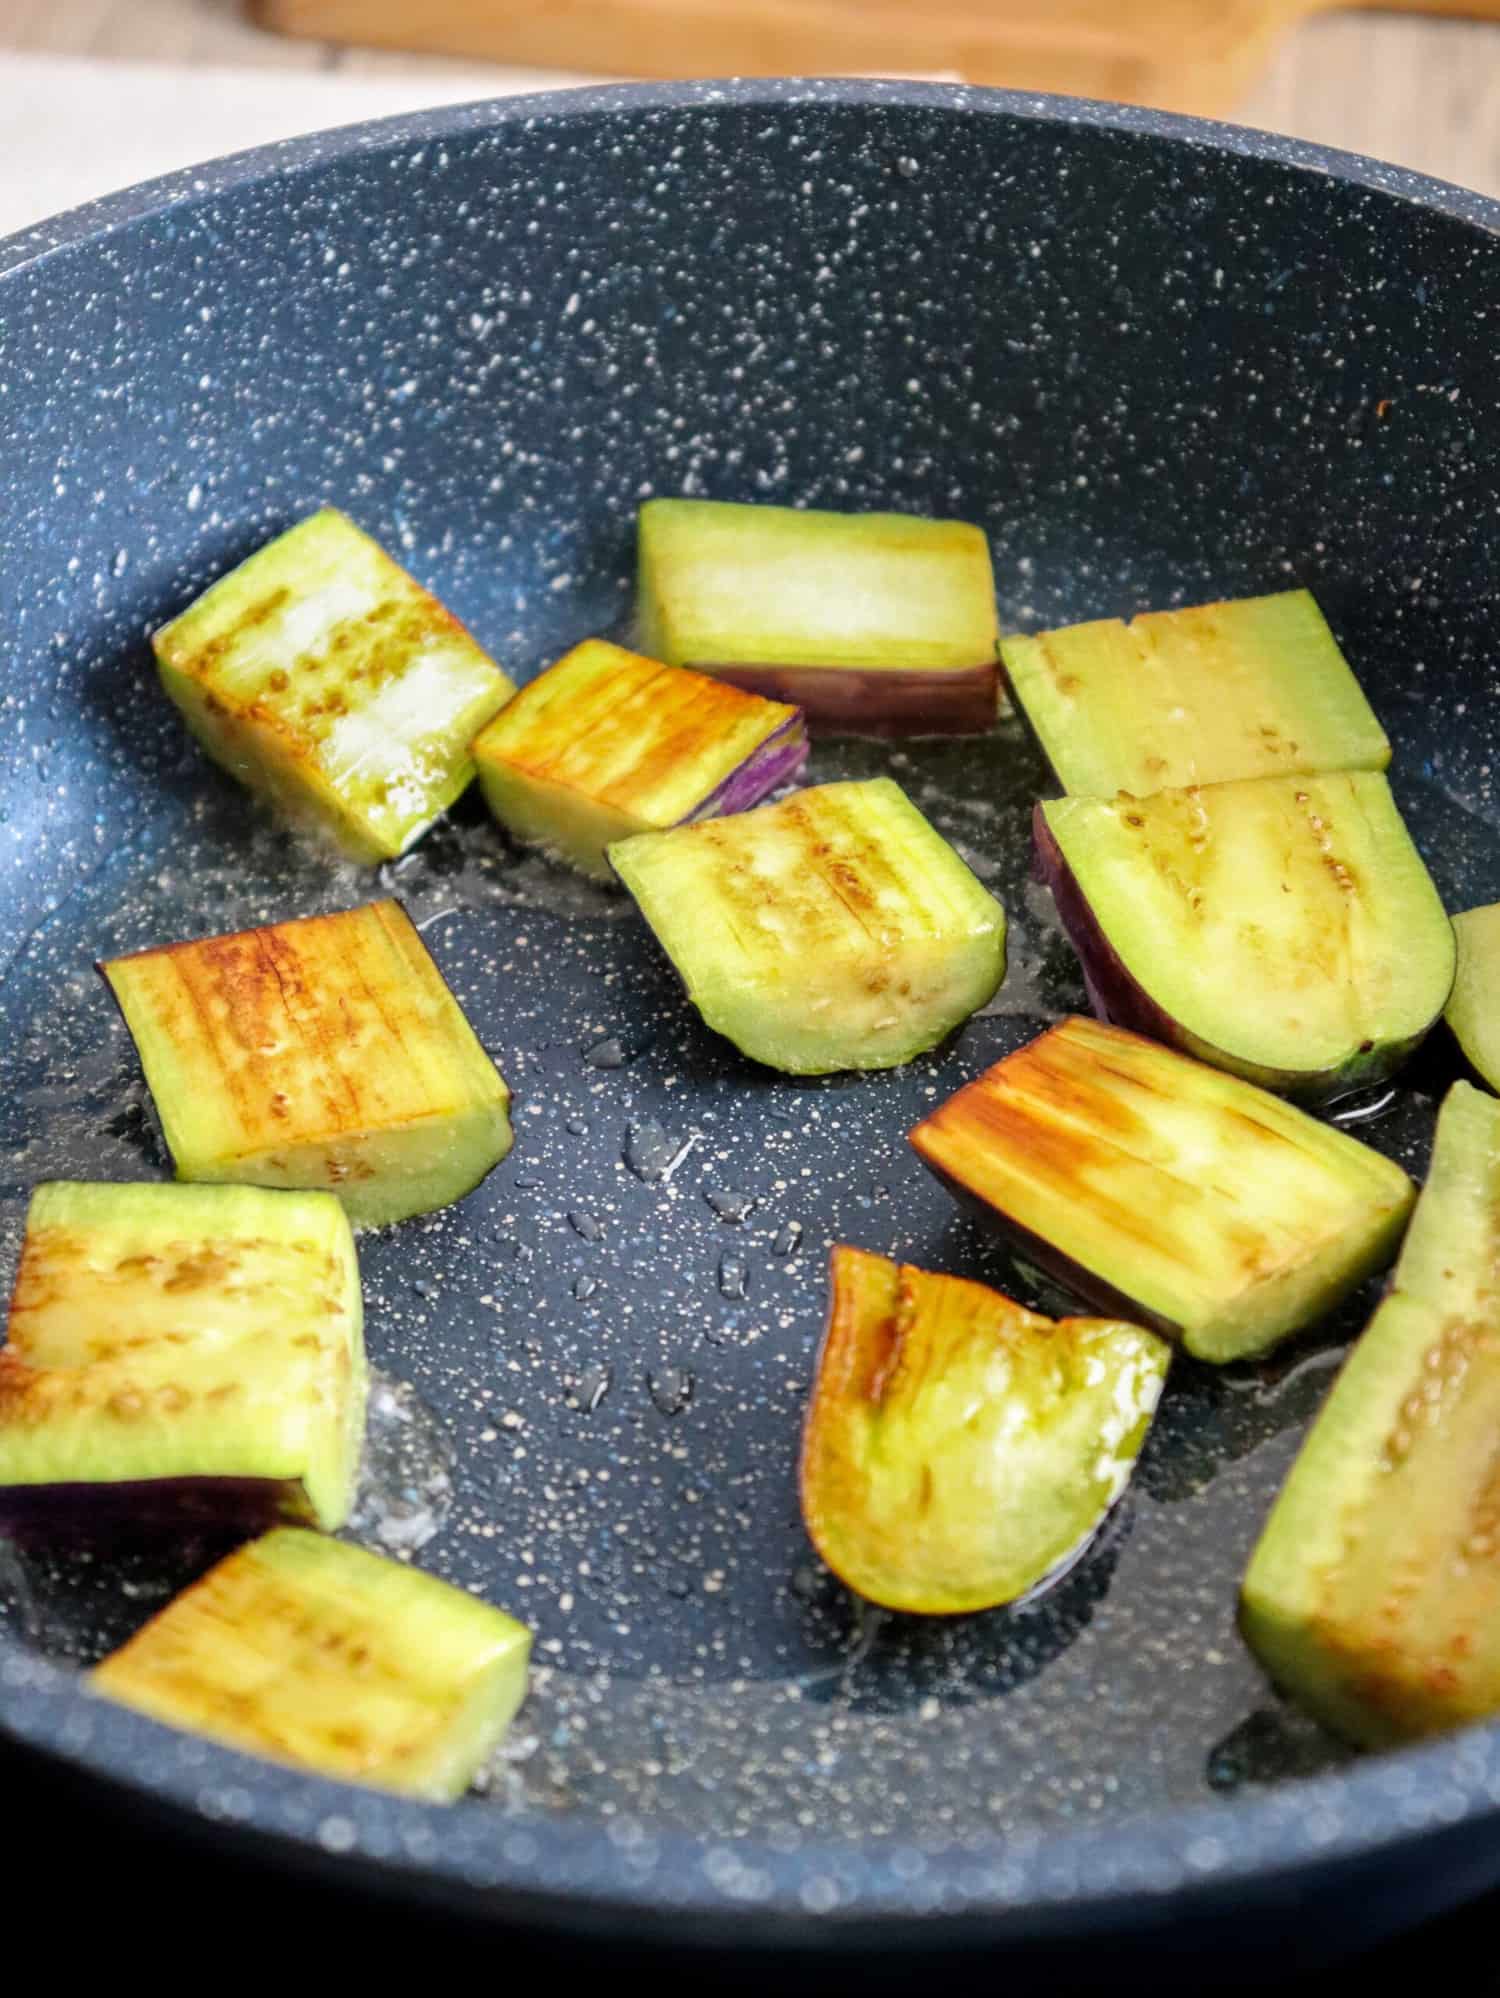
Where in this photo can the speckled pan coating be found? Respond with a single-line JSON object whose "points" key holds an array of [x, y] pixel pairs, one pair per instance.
{"points": [[1161, 362]]}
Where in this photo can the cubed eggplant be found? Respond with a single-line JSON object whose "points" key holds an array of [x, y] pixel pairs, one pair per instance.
{"points": [[321, 675], [1253, 688], [835, 930], [1283, 928], [1373, 1596], [314, 1653], [1474, 1009], [871, 623], [1167, 1192], [325, 1052], [180, 1357], [959, 1449], [606, 744]]}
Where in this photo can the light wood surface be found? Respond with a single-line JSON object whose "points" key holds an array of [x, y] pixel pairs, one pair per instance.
{"points": [[97, 93], [1184, 55]]}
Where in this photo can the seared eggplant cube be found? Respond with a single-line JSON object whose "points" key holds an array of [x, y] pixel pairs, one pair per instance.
{"points": [[322, 676], [314, 1653], [325, 1053], [1474, 1009], [1373, 1596], [606, 743], [871, 623], [1283, 928], [959, 1449], [1253, 688], [180, 1358], [835, 930], [1165, 1191]]}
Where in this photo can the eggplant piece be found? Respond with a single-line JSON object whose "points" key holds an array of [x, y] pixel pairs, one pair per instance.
{"points": [[323, 677], [1164, 1191], [325, 1052], [1373, 1595], [1283, 928], [607, 743], [835, 930], [959, 1449], [1473, 1012], [1253, 688], [872, 624], [314, 1653], [180, 1357]]}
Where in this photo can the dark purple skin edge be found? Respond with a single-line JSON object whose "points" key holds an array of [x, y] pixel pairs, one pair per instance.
{"points": [[1083, 1283], [844, 700], [144, 1510], [777, 759], [1117, 997]]}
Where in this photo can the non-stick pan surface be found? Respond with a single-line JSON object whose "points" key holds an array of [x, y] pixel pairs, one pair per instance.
{"points": [[1160, 362]]}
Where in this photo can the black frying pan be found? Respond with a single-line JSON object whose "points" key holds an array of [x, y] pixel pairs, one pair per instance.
{"points": [[1161, 362]]}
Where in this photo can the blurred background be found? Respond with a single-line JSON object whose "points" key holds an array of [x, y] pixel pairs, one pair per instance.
{"points": [[95, 94]]}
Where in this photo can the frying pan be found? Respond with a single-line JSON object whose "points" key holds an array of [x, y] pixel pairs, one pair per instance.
{"points": [[1161, 362]]}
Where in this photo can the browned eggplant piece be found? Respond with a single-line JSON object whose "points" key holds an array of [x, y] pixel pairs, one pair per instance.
{"points": [[1165, 1191], [959, 1449]]}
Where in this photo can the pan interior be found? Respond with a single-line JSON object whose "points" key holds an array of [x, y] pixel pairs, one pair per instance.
{"points": [[592, 1371]]}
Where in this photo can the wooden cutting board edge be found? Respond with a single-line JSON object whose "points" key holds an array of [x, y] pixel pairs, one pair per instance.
{"points": [[1178, 55]]}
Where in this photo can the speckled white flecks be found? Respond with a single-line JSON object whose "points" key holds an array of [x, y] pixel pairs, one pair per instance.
{"points": [[1157, 371]]}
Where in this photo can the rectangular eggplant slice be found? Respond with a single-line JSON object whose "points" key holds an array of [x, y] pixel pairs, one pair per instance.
{"points": [[1283, 928], [1166, 1191], [959, 1449], [1473, 1012], [1373, 1595], [326, 1052], [872, 624], [314, 1653], [607, 743], [321, 675], [835, 930], [1253, 688], [180, 1357]]}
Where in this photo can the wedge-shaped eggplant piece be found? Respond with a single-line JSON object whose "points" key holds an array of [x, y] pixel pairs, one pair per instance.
{"points": [[960, 1449], [180, 1357], [1283, 928], [321, 675], [1165, 1191], [871, 623], [605, 744], [1374, 1593], [312, 1652], [1254, 688], [834, 930], [1474, 1009], [325, 1052]]}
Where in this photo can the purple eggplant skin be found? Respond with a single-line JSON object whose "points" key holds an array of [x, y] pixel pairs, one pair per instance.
{"points": [[777, 761], [143, 1512], [900, 702], [1117, 997]]}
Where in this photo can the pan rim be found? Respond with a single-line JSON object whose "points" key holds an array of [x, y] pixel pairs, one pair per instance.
{"points": [[571, 1871]]}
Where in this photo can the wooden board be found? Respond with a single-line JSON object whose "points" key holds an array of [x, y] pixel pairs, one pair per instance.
{"points": [[1183, 55]]}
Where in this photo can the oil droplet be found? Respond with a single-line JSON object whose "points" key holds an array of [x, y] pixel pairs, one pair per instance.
{"points": [[590, 1388], [608, 1053], [727, 1205], [671, 1389], [586, 1226], [733, 1276], [787, 1238], [651, 1151], [585, 1286]]}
